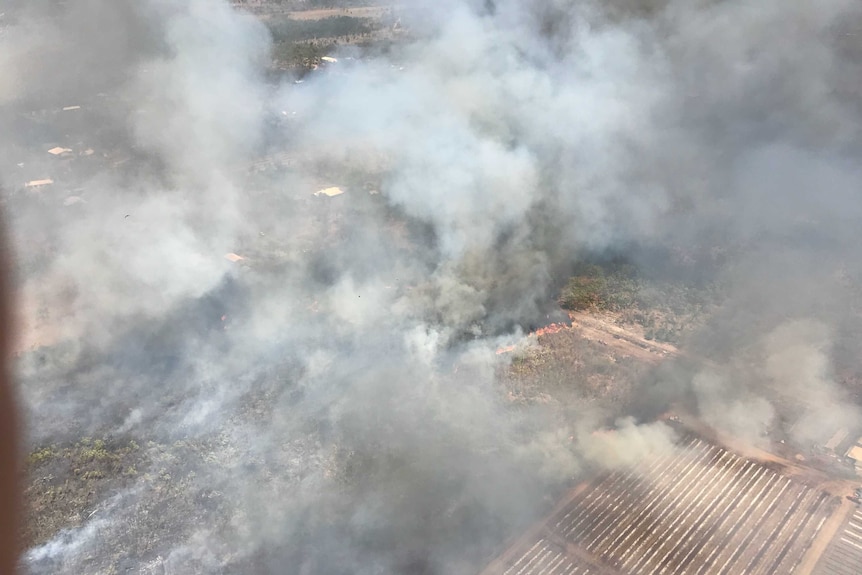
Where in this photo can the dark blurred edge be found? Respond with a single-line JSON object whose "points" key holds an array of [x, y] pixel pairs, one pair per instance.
{"points": [[10, 464]]}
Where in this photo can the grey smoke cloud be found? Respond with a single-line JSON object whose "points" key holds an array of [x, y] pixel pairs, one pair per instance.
{"points": [[628, 444], [345, 415], [798, 362], [729, 407]]}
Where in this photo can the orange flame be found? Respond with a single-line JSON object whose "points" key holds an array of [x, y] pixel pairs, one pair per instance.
{"points": [[547, 330]]}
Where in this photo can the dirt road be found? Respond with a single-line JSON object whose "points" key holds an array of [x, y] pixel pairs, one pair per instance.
{"points": [[357, 12], [626, 342]]}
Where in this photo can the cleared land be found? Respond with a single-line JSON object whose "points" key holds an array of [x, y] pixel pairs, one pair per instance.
{"points": [[699, 510], [596, 328], [357, 12]]}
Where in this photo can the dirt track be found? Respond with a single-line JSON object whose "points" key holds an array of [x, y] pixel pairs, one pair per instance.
{"points": [[358, 12], [603, 331]]}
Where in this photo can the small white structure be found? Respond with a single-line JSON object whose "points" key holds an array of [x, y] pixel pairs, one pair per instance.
{"points": [[38, 183], [329, 192]]}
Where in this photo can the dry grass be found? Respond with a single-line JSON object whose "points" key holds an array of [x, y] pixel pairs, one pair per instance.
{"points": [[567, 369], [67, 483]]}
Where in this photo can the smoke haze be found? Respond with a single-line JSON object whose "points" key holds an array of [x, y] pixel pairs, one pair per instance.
{"points": [[332, 400]]}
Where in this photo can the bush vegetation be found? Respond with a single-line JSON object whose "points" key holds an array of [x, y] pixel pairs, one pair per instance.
{"points": [[665, 309], [287, 30], [592, 287]]}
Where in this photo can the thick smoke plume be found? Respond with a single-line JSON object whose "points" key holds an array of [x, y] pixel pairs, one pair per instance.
{"points": [[331, 401]]}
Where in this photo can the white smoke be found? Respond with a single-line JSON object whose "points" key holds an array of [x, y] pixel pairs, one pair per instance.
{"points": [[331, 402]]}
